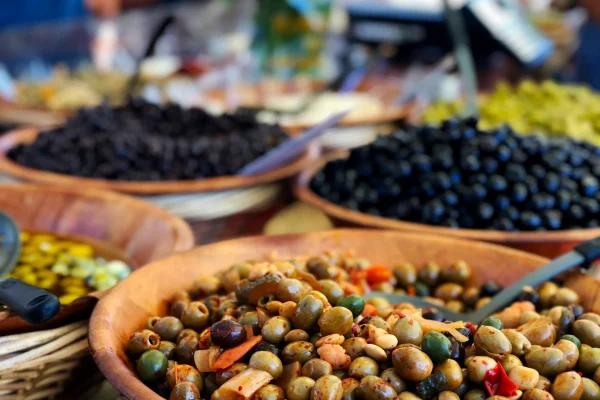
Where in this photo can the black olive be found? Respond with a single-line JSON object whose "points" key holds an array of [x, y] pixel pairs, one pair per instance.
{"points": [[227, 333], [529, 294], [489, 289], [433, 314]]}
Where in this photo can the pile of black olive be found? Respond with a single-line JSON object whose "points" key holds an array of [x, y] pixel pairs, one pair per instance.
{"points": [[145, 142], [458, 176]]}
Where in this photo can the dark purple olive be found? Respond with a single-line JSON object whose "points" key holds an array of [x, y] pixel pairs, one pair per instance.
{"points": [[227, 333]]}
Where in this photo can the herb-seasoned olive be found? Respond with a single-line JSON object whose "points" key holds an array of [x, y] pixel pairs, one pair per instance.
{"points": [[327, 387], [336, 320], [300, 388], [350, 386], [491, 342], [291, 290], [195, 316], [185, 391], [268, 362], [307, 312], [567, 386], [275, 329], [355, 347], [408, 330], [363, 366], [316, 368], [411, 363], [331, 290], [142, 341], [298, 351], [269, 392], [452, 372], [375, 388]]}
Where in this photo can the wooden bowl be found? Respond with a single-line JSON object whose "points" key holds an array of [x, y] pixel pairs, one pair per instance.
{"points": [[117, 226], [24, 136], [548, 244], [125, 308], [22, 114]]}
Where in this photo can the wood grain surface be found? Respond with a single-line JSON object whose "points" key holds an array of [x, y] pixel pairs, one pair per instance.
{"points": [[548, 244], [9, 167], [116, 225], [146, 293]]}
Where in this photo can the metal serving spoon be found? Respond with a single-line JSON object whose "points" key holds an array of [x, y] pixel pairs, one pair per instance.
{"points": [[31, 303], [582, 255]]}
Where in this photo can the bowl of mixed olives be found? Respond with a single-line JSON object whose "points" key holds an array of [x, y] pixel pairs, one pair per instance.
{"points": [[79, 244], [290, 317], [536, 193]]}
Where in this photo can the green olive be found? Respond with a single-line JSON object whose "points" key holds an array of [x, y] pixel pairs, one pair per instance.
{"points": [[363, 366], [298, 351], [436, 346], [548, 361], [300, 388], [269, 392], [542, 335], [379, 323], [150, 322], [250, 318], [350, 386], [591, 317], [327, 387], [195, 316], [588, 332], [589, 360], [452, 372], [185, 391], [340, 373], [405, 274], [510, 361], [206, 286], [336, 320], [355, 347], [152, 366], [331, 290], [291, 290], [168, 328], [536, 394], [447, 395], [547, 291], [408, 330], [178, 307], [354, 303], [543, 384], [268, 362], [525, 378], [478, 366], [186, 349], [375, 388], [567, 386], [411, 363], [384, 308], [520, 344], [184, 373], [142, 341], [565, 297], [493, 322], [449, 291], [459, 272], [391, 377], [570, 351], [296, 335], [316, 368], [275, 329], [223, 375], [476, 394], [307, 312], [491, 342], [169, 349], [321, 268], [429, 274], [591, 390]]}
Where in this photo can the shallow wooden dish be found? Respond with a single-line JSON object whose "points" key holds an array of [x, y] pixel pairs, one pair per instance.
{"points": [[125, 309], [22, 114], [117, 226], [547, 244], [21, 136]]}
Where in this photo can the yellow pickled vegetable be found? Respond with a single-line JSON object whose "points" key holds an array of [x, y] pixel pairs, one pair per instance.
{"points": [[548, 108], [67, 268]]}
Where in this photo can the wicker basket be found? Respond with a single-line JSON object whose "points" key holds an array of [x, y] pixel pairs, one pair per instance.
{"points": [[38, 365]]}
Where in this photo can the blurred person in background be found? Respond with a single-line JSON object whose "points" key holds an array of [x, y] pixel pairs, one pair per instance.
{"points": [[588, 56], [31, 12]]}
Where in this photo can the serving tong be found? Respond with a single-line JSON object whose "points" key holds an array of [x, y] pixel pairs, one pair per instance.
{"points": [[582, 255], [31, 303]]}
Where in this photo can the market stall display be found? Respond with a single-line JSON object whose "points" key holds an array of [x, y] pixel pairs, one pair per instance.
{"points": [[546, 108], [309, 307], [468, 182], [144, 148]]}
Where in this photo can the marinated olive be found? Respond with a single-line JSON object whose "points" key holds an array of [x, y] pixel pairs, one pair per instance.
{"points": [[195, 316], [408, 330], [570, 351], [429, 274], [184, 333], [151, 366], [436, 346], [296, 335], [458, 272], [446, 395], [491, 342], [186, 349], [222, 376], [169, 349], [391, 377], [268, 362], [548, 361], [291, 290], [275, 329], [525, 378], [537, 394], [567, 386], [476, 394], [298, 351], [589, 359], [269, 392], [227, 333], [588, 332], [327, 387], [591, 390], [184, 373], [406, 274], [363, 366], [142, 341], [336, 320], [375, 388], [449, 291], [332, 291], [185, 391], [316, 368], [509, 362], [350, 386], [354, 303], [520, 344], [411, 363], [300, 388], [355, 347], [565, 297], [478, 367], [452, 372], [493, 322], [307, 312]]}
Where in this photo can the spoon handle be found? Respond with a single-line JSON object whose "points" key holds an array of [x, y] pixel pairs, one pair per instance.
{"points": [[33, 304]]}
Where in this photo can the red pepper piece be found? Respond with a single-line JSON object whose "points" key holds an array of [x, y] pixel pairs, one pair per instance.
{"points": [[378, 274], [498, 383]]}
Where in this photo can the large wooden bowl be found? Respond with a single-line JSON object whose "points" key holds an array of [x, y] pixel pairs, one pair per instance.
{"points": [[116, 226], [24, 136], [547, 244], [146, 293]]}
